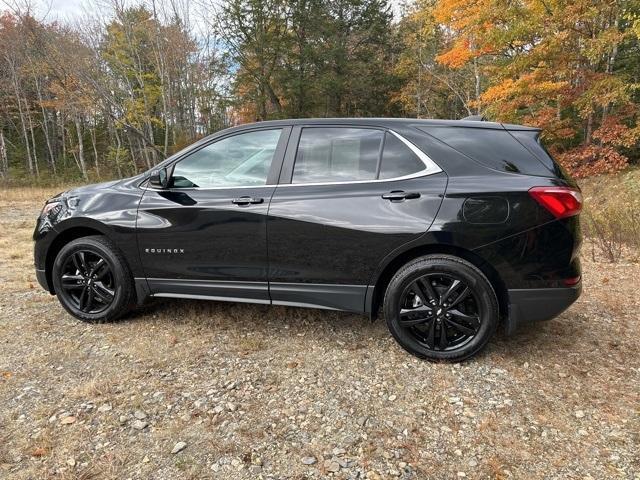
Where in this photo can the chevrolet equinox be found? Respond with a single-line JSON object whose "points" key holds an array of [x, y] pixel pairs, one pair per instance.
{"points": [[448, 227]]}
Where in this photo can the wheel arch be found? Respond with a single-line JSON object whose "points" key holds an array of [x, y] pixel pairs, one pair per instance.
{"points": [[70, 233], [374, 302]]}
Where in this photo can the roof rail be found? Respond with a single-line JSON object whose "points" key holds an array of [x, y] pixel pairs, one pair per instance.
{"points": [[475, 118]]}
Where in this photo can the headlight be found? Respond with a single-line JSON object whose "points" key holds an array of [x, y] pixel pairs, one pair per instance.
{"points": [[49, 207]]}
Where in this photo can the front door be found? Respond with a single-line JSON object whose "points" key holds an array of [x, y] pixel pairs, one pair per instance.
{"points": [[205, 235], [349, 197]]}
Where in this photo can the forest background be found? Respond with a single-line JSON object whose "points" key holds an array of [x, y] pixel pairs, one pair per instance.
{"points": [[127, 83]]}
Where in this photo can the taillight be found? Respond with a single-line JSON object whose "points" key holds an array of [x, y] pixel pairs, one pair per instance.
{"points": [[570, 282], [562, 202]]}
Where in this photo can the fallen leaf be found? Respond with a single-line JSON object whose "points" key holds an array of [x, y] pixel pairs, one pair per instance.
{"points": [[38, 452], [68, 420]]}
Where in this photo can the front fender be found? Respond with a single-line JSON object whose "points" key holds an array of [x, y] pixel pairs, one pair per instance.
{"points": [[108, 209]]}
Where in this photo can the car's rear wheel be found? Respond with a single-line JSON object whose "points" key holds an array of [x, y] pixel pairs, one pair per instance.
{"points": [[441, 307], [92, 280]]}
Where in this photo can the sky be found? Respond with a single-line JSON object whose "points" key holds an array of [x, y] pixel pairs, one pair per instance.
{"points": [[62, 10], [67, 11]]}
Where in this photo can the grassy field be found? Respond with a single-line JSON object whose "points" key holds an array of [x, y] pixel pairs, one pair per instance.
{"points": [[259, 392]]}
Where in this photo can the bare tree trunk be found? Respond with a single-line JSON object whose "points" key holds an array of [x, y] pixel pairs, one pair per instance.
{"points": [[16, 89], [161, 66], [611, 60], [4, 162], [63, 138], [92, 132], [83, 165], [75, 159], [165, 110], [23, 124], [132, 149], [151, 154], [588, 130], [145, 153], [33, 143], [118, 145], [45, 128], [419, 87], [476, 74]]}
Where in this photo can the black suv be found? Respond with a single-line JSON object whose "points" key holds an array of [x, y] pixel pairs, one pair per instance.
{"points": [[449, 227]]}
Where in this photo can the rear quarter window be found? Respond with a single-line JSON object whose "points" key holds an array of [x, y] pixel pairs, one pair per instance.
{"points": [[397, 159], [531, 140], [493, 148]]}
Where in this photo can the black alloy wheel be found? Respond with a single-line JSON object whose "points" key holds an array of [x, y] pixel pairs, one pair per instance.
{"points": [[441, 307], [440, 311], [92, 280], [88, 282]]}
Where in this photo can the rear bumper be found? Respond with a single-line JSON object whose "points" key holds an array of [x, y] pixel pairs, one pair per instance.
{"points": [[538, 304]]}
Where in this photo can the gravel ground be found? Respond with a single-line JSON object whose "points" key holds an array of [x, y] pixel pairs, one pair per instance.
{"points": [[212, 390]]}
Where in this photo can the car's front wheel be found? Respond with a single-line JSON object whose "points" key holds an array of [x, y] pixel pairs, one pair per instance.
{"points": [[92, 280], [441, 307]]}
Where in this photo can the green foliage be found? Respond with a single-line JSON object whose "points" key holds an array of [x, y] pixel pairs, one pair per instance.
{"points": [[308, 58], [103, 103], [112, 101], [562, 66]]}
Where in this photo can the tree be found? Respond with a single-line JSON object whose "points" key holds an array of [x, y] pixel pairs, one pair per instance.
{"points": [[428, 88], [309, 58], [552, 64]]}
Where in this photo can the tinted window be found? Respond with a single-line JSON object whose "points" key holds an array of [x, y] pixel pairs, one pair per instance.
{"points": [[531, 140], [337, 155], [493, 148], [240, 160], [397, 159]]}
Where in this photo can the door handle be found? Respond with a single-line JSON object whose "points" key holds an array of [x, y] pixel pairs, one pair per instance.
{"points": [[399, 195], [247, 200]]}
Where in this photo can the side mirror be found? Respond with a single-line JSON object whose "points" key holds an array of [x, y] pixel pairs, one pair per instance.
{"points": [[159, 178]]}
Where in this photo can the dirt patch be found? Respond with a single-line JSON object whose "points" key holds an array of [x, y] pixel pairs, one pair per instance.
{"points": [[293, 393]]}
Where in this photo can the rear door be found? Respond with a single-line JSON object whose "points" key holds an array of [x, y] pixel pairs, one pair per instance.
{"points": [[205, 235], [347, 197]]}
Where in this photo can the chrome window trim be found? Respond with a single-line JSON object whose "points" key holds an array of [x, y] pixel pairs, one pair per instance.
{"points": [[184, 189], [431, 168], [430, 165]]}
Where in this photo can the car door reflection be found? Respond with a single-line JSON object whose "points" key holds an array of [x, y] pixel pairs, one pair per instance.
{"points": [[178, 197]]}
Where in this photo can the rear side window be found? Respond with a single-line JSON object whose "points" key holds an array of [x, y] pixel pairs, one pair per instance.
{"points": [[337, 155], [342, 154], [494, 148], [397, 159]]}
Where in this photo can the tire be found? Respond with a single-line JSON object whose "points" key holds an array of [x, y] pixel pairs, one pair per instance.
{"points": [[92, 280], [419, 306]]}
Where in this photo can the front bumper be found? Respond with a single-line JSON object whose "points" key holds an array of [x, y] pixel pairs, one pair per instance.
{"points": [[538, 304], [41, 276]]}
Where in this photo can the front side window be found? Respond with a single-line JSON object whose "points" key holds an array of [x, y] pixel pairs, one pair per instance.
{"points": [[240, 160], [341, 154]]}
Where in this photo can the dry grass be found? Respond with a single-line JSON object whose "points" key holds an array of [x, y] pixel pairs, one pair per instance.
{"points": [[238, 382], [612, 213], [30, 195]]}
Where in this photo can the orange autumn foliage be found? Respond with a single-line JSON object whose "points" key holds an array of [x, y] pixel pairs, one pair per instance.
{"points": [[592, 160], [457, 56], [553, 65]]}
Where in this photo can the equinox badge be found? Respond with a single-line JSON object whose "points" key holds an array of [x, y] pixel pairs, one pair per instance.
{"points": [[164, 250]]}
